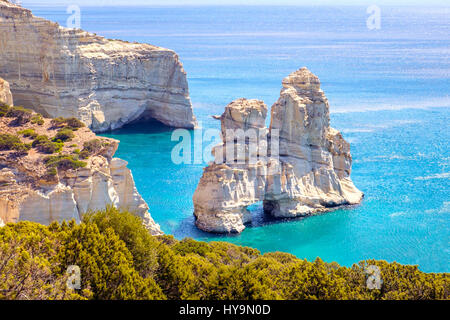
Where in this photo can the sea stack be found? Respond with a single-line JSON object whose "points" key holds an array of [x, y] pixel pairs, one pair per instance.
{"points": [[5, 93], [43, 186], [63, 72], [305, 170]]}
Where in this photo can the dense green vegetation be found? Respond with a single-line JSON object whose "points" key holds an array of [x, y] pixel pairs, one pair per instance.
{"points": [[119, 259], [37, 119]]}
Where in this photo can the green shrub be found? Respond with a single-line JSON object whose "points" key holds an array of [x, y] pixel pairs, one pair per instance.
{"points": [[57, 122], [119, 259], [18, 111], [84, 154], [91, 147], [71, 123], [21, 114], [43, 144], [50, 147], [39, 140], [29, 133], [64, 162], [37, 119], [31, 271], [106, 263], [74, 123], [22, 148], [64, 135], [131, 230], [12, 142], [4, 108], [8, 141]]}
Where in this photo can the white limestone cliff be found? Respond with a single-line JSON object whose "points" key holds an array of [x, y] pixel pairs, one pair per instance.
{"points": [[309, 174], [72, 73]]}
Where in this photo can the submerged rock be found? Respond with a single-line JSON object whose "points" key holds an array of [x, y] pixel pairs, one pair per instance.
{"points": [[304, 168], [63, 72]]}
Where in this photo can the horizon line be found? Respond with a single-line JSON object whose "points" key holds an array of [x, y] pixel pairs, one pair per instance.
{"points": [[46, 4]]}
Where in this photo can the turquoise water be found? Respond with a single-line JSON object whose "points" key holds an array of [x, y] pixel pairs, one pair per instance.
{"points": [[388, 91]]}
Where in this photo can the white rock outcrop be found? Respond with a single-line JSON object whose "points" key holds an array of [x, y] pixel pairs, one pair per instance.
{"points": [[303, 169], [29, 193], [103, 182], [72, 73], [5, 93]]}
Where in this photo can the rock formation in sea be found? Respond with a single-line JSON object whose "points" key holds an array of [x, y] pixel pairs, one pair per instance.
{"points": [[303, 169], [63, 72], [41, 186]]}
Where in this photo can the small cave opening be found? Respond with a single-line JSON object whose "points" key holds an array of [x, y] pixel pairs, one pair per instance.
{"points": [[144, 124]]}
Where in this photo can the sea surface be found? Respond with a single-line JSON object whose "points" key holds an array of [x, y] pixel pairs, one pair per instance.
{"points": [[389, 95]]}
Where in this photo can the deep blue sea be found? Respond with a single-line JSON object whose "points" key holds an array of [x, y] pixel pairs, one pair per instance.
{"points": [[389, 95]]}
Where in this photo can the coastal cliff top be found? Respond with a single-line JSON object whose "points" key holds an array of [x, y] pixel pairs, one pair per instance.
{"points": [[245, 106], [86, 40], [40, 149]]}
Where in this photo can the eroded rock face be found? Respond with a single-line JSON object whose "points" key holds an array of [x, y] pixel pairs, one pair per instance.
{"points": [[5, 93], [227, 188], [305, 171], [72, 73]]}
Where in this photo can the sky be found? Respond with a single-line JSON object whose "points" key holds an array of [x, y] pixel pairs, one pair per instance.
{"points": [[235, 2]]}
